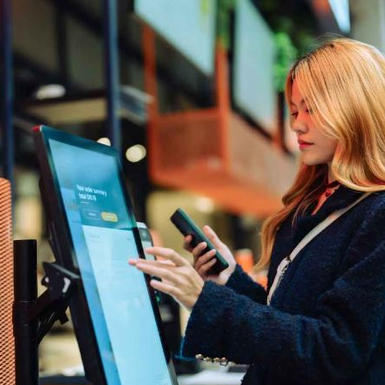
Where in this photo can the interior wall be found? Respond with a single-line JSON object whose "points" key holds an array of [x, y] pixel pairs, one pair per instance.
{"points": [[368, 22], [34, 32]]}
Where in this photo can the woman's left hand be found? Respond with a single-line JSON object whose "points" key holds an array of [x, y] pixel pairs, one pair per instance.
{"points": [[179, 278]]}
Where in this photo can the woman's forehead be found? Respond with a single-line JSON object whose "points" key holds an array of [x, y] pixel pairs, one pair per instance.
{"points": [[296, 97]]}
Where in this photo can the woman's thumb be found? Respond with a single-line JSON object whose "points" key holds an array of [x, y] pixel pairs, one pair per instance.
{"points": [[212, 236]]}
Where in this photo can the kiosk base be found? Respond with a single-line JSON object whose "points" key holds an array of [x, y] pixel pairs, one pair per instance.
{"points": [[34, 316]]}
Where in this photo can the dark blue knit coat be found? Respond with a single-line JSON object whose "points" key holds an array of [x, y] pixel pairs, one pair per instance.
{"points": [[326, 321]]}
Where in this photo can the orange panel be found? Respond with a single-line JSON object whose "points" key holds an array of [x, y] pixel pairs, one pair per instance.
{"points": [[7, 346], [181, 139], [231, 193], [187, 155], [213, 151], [322, 7]]}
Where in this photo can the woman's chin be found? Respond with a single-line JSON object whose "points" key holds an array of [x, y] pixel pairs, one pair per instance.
{"points": [[310, 161]]}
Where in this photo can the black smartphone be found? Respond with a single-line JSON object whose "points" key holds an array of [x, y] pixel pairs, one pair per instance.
{"points": [[187, 227]]}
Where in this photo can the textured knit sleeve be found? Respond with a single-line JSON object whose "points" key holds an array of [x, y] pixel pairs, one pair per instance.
{"points": [[332, 347], [241, 283]]}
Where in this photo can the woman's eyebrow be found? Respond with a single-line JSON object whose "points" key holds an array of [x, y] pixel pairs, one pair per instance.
{"points": [[301, 102]]}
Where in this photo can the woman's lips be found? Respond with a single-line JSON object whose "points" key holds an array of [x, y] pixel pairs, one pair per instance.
{"points": [[303, 144]]}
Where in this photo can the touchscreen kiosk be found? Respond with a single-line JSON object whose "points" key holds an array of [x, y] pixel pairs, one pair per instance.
{"points": [[94, 233]]}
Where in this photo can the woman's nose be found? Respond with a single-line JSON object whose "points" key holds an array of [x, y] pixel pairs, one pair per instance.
{"points": [[299, 126]]}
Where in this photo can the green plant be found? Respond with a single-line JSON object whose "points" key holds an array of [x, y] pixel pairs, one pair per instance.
{"points": [[286, 55], [225, 7]]}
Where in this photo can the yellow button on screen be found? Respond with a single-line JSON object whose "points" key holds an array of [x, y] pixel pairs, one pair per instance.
{"points": [[109, 217]]}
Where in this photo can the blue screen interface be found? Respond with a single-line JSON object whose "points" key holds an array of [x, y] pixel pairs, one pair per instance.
{"points": [[102, 234]]}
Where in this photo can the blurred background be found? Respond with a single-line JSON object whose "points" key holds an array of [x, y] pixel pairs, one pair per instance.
{"points": [[191, 94]]}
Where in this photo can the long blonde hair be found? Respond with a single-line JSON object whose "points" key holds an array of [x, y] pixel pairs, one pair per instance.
{"points": [[343, 82]]}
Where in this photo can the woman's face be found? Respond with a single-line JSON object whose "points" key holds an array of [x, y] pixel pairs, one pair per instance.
{"points": [[316, 148]]}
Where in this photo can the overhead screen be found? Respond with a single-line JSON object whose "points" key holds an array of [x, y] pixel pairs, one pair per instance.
{"points": [[253, 67], [341, 12], [189, 25]]}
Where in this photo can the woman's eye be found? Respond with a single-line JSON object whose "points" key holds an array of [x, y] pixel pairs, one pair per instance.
{"points": [[294, 114]]}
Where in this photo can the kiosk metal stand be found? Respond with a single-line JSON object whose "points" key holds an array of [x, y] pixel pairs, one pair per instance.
{"points": [[34, 316]]}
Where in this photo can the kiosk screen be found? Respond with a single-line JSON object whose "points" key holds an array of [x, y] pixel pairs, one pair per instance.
{"points": [[102, 230]]}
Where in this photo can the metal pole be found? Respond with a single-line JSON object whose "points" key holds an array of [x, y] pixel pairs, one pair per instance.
{"points": [[111, 56], [6, 89], [25, 331]]}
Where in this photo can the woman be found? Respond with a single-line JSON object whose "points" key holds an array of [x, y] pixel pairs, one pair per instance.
{"points": [[325, 321]]}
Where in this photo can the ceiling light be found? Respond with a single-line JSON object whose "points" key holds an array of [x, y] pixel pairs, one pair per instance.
{"points": [[50, 91], [136, 153], [205, 205], [105, 141]]}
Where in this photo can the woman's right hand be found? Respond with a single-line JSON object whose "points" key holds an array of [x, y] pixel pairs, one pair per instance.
{"points": [[204, 262]]}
